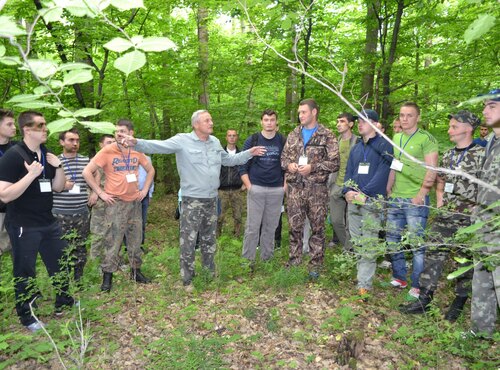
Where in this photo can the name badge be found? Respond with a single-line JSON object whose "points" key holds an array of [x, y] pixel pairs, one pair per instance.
{"points": [[397, 165], [131, 177], [302, 160], [75, 189], [45, 186], [363, 168], [448, 187]]}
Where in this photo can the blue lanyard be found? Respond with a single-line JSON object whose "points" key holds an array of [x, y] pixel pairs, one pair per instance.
{"points": [[407, 141], [43, 162], [126, 160], [459, 158], [72, 173], [365, 152]]}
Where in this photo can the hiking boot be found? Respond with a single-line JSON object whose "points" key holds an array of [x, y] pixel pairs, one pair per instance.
{"points": [[363, 293], [107, 282], [455, 309], [398, 283], [137, 275], [421, 305]]}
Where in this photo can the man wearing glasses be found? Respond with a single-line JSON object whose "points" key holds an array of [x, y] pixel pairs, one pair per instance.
{"points": [[28, 175]]}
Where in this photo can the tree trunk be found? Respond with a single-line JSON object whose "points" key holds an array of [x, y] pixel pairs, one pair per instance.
{"points": [[203, 68], [370, 52], [307, 39], [386, 71]]}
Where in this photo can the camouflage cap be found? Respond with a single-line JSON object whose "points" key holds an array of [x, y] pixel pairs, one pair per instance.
{"points": [[466, 117]]}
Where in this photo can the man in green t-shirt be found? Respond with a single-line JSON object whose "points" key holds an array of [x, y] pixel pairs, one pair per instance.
{"points": [[408, 187], [338, 204]]}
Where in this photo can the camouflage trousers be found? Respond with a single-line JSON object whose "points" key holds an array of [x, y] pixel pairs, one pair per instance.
{"points": [[122, 219], [97, 229], [435, 258], [5, 245], [76, 229], [198, 216], [485, 299], [231, 199], [310, 201]]}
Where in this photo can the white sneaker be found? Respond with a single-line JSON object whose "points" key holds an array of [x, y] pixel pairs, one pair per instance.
{"points": [[37, 325], [385, 264]]}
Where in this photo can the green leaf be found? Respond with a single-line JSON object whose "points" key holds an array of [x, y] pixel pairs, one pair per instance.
{"points": [[73, 66], [80, 11], [43, 68], [65, 113], [77, 77], [51, 14], [471, 229], [98, 5], [56, 84], [23, 98], [118, 44], [127, 4], [40, 90], [99, 127], [479, 27], [37, 105], [462, 260], [8, 27], [60, 125], [460, 271], [137, 39], [87, 112], [130, 62], [156, 44], [2, 50], [10, 61]]}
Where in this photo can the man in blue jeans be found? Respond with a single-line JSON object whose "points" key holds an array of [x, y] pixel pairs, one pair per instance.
{"points": [[408, 187]]}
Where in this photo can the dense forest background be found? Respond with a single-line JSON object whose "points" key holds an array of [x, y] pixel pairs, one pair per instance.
{"points": [[378, 53]]}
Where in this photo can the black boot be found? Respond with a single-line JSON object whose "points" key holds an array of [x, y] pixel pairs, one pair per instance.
{"points": [[455, 309], [137, 275], [107, 282], [78, 273], [421, 305]]}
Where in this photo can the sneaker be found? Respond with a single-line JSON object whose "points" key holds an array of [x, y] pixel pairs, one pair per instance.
{"points": [[385, 264], [414, 292], [397, 283], [314, 275], [37, 325]]}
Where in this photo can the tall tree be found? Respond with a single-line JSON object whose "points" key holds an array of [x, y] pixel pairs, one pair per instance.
{"points": [[203, 63]]}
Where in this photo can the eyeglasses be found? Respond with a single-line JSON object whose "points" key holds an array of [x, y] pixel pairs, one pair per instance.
{"points": [[39, 126]]}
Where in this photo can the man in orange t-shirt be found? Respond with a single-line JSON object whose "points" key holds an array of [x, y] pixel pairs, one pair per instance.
{"points": [[123, 215]]}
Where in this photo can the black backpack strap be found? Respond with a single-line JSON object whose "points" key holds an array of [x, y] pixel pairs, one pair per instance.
{"points": [[22, 153]]}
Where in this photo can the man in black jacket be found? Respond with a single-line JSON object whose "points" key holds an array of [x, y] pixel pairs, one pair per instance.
{"points": [[230, 193]]}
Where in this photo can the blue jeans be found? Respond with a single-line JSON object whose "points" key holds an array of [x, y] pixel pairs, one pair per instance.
{"points": [[401, 215]]}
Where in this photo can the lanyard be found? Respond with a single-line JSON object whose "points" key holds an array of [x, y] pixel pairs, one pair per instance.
{"points": [[43, 162], [407, 141], [72, 173], [126, 160], [365, 152], [459, 158]]}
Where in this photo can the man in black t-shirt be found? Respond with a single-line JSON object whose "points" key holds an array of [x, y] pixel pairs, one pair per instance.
{"points": [[264, 180], [28, 175], [7, 132]]}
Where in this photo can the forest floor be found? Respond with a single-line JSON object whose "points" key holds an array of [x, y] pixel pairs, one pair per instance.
{"points": [[271, 318]]}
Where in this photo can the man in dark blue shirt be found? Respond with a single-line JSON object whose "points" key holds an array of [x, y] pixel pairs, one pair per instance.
{"points": [[366, 178], [263, 179]]}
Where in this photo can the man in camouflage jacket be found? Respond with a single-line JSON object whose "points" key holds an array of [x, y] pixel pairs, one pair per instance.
{"points": [[310, 155], [456, 197]]}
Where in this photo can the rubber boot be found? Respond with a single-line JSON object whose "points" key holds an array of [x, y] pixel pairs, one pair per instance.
{"points": [[137, 275], [107, 282], [455, 309], [421, 305]]}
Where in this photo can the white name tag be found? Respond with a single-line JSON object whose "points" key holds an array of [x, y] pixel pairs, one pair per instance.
{"points": [[448, 187], [363, 168], [45, 186], [131, 177], [397, 165], [302, 160], [75, 189]]}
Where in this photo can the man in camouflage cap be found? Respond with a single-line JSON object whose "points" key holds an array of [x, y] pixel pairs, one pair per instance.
{"points": [[455, 199]]}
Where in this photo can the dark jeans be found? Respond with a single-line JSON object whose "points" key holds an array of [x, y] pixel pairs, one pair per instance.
{"points": [[145, 206], [27, 242]]}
